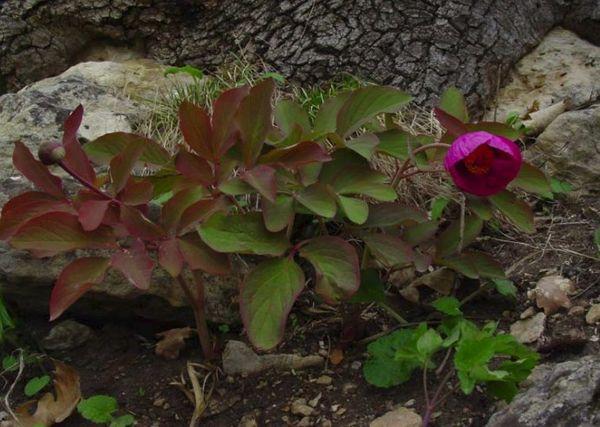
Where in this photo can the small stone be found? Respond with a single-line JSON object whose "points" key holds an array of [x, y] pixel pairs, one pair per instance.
{"points": [[248, 420], [527, 313], [349, 388], [324, 380], [529, 330], [409, 403], [159, 402], [304, 422], [326, 423], [66, 335], [314, 402], [166, 406], [335, 407], [576, 310], [401, 417], [341, 411], [299, 407], [593, 314], [356, 365]]}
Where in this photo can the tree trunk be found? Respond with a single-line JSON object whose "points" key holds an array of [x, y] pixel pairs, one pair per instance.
{"points": [[420, 45]]}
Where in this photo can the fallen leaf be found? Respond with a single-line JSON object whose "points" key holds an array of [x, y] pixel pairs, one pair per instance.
{"points": [[51, 408], [410, 293], [172, 341], [336, 356], [552, 293]]}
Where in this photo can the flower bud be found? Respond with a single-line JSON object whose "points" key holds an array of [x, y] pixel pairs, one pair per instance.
{"points": [[50, 153]]}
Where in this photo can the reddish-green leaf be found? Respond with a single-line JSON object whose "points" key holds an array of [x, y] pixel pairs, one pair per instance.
{"points": [[453, 102], [26, 206], [419, 233], [105, 147], [364, 145], [516, 210], [278, 215], [391, 251], [196, 129], [356, 210], [201, 257], [296, 156], [122, 164], [174, 208], [35, 171], [480, 206], [242, 233], [318, 199], [533, 180], [266, 299], [366, 103], [336, 262], [201, 210], [194, 167], [449, 240], [262, 178], [138, 225], [288, 114], [358, 180], [170, 257], [254, 119], [391, 214], [224, 110], [91, 213], [75, 158], [453, 125], [135, 264], [74, 281], [474, 265], [326, 119], [57, 232], [136, 192]]}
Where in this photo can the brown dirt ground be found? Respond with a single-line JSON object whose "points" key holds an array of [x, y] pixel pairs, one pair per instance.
{"points": [[120, 359]]}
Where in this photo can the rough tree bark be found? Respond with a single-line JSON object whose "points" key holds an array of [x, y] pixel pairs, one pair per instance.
{"points": [[420, 45]]}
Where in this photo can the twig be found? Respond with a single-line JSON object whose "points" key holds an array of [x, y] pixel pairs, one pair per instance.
{"points": [[12, 387]]}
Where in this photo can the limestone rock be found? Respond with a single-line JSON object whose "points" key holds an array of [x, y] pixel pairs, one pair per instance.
{"points": [[401, 417], [563, 67], [529, 330], [593, 315], [66, 335], [563, 394]]}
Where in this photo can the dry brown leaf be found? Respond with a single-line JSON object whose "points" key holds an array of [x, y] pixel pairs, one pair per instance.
{"points": [[336, 356], [172, 341], [552, 293], [53, 409]]}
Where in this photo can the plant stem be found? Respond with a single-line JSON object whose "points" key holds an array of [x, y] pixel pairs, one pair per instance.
{"points": [[197, 303], [400, 172], [435, 400], [393, 313], [87, 184]]}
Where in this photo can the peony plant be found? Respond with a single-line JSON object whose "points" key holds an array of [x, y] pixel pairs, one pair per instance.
{"points": [[300, 196]]}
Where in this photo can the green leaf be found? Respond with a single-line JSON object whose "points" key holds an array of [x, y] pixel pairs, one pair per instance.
{"points": [[429, 343], [10, 363], [103, 149], [318, 199], [336, 261], [278, 215], [364, 145], [36, 384], [453, 102], [447, 305], [505, 287], [254, 119], [449, 241], [289, 113], [241, 233], [326, 118], [384, 215], [481, 207], [236, 187], [393, 142], [98, 409], [516, 210], [358, 180], [279, 78], [391, 251], [201, 257], [266, 299], [356, 210], [496, 129], [174, 208], [533, 180], [437, 207], [366, 103], [186, 69], [123, 421], [371, 288], [560, 187], [474, 264], [419, 233], [262, 179]]}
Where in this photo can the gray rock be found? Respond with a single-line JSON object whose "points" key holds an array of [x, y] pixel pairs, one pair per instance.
{"points": [[563, 67], [66, 335], [559, 395], [570, 146], [239, 359]]}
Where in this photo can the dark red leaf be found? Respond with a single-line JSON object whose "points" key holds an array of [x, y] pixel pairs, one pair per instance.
{"points": [[91, 213], [57, 232], [75, 158], [201, 210], [194, 168], [173, 209], [136, 192], [454, 126], [200, 257], [135, 264], [169, 257], [26, 206], [122, 164], [196, 129], [138, 225], [74, 281], [35, 171], [297, 156], [223, 128], [262, 179]]}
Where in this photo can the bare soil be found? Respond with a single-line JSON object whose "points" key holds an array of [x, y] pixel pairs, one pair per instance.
{"points": [[119, 360]]}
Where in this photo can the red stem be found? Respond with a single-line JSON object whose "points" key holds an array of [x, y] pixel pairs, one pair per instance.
{"points": [[398, 175], [197, 303], [87, 184]]}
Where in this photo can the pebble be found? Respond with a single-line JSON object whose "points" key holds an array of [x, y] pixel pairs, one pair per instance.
{"points": [[304, 422], [529, 330], [527, 313], [410, 402], [159, 402], [356, 365], [576, 310], [349, 388], [401, 417], [593, 314], [326, 423], [314, 402], [299, 407], [324, 380]]}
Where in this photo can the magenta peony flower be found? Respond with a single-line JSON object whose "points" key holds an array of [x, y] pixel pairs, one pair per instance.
{"points": [[481, 163]]}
